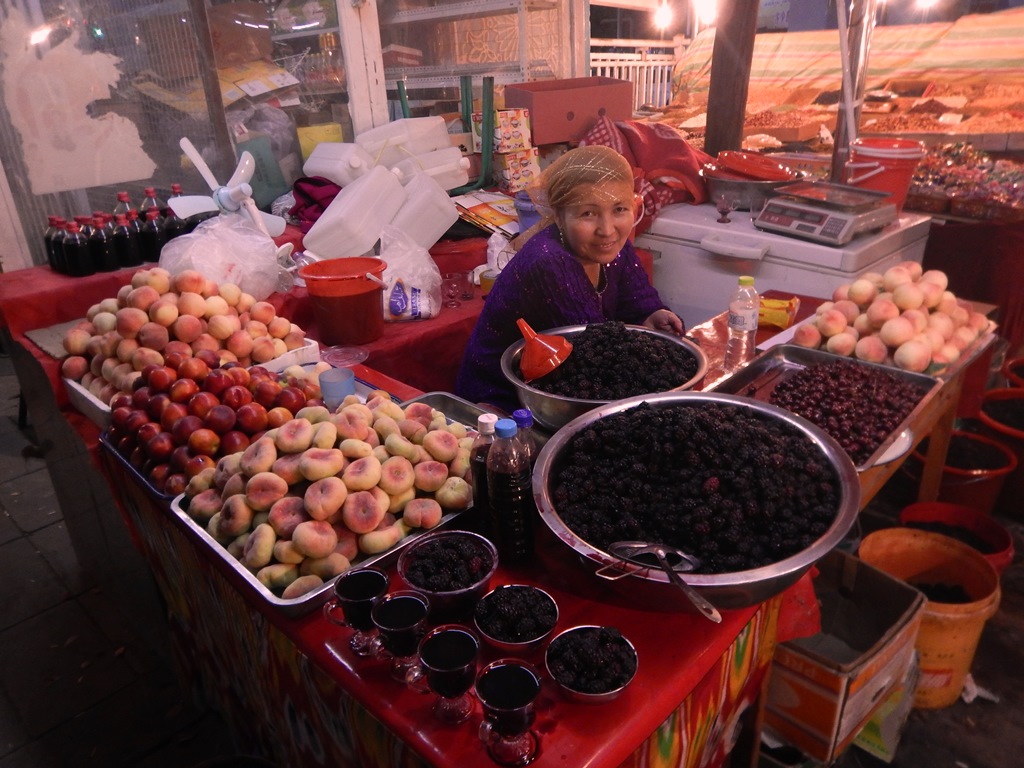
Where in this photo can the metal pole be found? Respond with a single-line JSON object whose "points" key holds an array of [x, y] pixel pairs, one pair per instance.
{"points": [[860, 27]]}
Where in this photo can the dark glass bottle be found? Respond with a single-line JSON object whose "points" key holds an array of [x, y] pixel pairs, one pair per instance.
{"points": [[76, 252], [174, 225], [510, 493], [478, 464], [152, 237], [57, 246], [126, 243], [101, 247]]}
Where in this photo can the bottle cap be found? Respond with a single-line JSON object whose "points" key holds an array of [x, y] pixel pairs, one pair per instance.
{"points": [[505, 428], [175, 189], [523, 417], [485, 423], [98, 221], [150, 191], [746, 280], [122, 196]]}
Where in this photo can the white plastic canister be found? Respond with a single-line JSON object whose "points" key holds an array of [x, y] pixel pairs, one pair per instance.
{"points": [[427, 213], [353, 221], [446, 166], [341, 162], [393, 142]]}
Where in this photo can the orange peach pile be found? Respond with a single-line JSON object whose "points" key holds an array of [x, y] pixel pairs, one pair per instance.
{"points": [[157, 316], [307, 498], [905, 317]]}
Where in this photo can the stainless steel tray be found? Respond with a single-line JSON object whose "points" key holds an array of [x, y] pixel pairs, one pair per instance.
{"points": [[760, 376], [454, 408], [311, 600]]}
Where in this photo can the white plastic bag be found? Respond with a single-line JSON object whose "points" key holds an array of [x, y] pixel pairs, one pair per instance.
{"points": [[226, 249], [412, 281]]}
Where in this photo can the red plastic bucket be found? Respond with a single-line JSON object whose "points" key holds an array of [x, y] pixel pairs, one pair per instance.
{"points": [[977, 488], [884, 165], [1001, 425], [983, 532], [347, 300]]}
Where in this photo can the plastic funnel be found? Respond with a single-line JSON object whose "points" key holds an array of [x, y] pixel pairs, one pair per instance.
{"points": [[541, 353]]}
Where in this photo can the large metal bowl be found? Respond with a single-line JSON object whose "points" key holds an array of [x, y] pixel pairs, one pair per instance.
{"points": [[555, 411], [748, 194], [726, 590]]}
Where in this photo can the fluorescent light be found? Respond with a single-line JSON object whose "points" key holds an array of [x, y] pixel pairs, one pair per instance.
{"points": [[39, 35], [663, 16]]}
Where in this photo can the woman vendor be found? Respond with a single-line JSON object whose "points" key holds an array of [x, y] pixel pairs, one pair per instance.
{"points": [[578, 268]]}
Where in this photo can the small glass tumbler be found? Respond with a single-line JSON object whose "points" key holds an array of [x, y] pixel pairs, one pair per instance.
{"points": [[401, 621], [453, 287], [355, 593], [507, 689], [335, 385], [447, 667]]}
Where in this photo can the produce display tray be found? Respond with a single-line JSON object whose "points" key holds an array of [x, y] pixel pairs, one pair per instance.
{"points": [[131, 470], [454, 408], [761, 375], [310, 601]]}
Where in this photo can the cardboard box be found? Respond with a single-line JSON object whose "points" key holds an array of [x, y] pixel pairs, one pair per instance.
{"points": [[823, 689], [511, 130], [564, 110], [515, 170], [881, 735], [402, 56], [240, 33]]}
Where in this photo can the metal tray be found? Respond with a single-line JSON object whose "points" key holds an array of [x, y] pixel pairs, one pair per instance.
{"points": [[760, 376], [454, 408], [133, 471], [840, 197], [311, 600]]}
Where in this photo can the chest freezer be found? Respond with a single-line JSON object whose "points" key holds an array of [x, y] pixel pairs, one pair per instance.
{"points": [[698, 260]]}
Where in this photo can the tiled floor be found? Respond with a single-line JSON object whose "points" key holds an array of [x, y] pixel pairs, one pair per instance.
{"points": [[85, 680]]}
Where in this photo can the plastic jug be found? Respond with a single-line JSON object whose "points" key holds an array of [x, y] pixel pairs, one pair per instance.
{"points": [[353, 221], [339, 162], [427, 213], [446, 166], [393, 142]]}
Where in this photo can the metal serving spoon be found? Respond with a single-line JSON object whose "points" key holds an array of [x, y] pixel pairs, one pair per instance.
{"points": [[633, 551]]}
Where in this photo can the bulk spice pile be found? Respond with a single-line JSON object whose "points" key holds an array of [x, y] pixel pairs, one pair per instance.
{"points": [[961, 180]]}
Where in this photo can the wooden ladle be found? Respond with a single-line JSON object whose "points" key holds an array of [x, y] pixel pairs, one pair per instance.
{"points": [[542, 353]]}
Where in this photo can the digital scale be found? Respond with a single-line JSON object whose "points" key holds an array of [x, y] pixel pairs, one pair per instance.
{"points": [[826, 213]]}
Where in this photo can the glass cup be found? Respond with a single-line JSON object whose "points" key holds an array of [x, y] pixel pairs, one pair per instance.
{"points": [[453, 287], [355, 593], [447, 667], [335, 385], [487, 279], [401, 621], [507, 689]]}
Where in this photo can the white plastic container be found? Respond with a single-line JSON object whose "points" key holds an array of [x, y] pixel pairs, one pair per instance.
{"points": [[446, 166], [393, 142], [428, 212], [353, 221], [341, 162]]}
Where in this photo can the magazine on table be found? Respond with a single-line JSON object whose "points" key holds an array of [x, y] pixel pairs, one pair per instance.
{"points": [[491, 211]]}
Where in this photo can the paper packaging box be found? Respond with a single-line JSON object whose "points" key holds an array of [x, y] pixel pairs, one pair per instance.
{"points": [[514, 171], [823, 689], [564, 110], [881, 736], [511, 130], [402, 56]]}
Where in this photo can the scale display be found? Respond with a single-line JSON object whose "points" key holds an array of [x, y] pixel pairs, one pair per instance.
{"points": [[823, 224]]}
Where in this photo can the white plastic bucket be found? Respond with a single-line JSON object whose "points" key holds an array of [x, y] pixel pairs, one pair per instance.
{"points": [[339, 162], [884, 165], [391, 143], [427, 213], [353, 221]]}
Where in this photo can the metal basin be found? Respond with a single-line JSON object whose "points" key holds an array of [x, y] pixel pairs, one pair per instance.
{"points": [[554, 411], [749, 194], [725, 590]]}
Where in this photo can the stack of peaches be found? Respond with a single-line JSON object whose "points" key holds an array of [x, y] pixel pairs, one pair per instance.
{"points": [[309, 497], [905, 317], [160, 319]]}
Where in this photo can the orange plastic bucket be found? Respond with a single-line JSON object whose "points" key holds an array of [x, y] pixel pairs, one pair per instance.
{"points": [[981, 531], [884, 165], [347, 299], [1007, 430], [949, 633], [978, 487]]}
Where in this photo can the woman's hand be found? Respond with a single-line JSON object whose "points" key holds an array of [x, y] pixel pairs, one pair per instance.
{"points": [[665, 320]]}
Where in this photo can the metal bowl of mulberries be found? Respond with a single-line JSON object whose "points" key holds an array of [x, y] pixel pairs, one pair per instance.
{"points": [[755, 493], [609, 361], [591, 664]]}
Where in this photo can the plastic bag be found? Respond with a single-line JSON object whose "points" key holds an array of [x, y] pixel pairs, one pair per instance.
{"points": [[226, 249], [412, 289]]}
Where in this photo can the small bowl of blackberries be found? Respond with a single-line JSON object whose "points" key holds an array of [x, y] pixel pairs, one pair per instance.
{"points": [[591, 664], [515, 618], [452, 568]]}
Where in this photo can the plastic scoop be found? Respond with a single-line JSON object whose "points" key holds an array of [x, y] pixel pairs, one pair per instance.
{"points": [[541, 353]]}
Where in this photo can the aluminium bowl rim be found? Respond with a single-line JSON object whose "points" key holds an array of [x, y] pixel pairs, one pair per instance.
{"points": [[584, 696], [510, 354], [846, 514], [403, 559], [517, 645]]}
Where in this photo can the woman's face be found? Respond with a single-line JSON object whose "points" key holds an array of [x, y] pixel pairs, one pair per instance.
{"points": [[596, 226]]}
